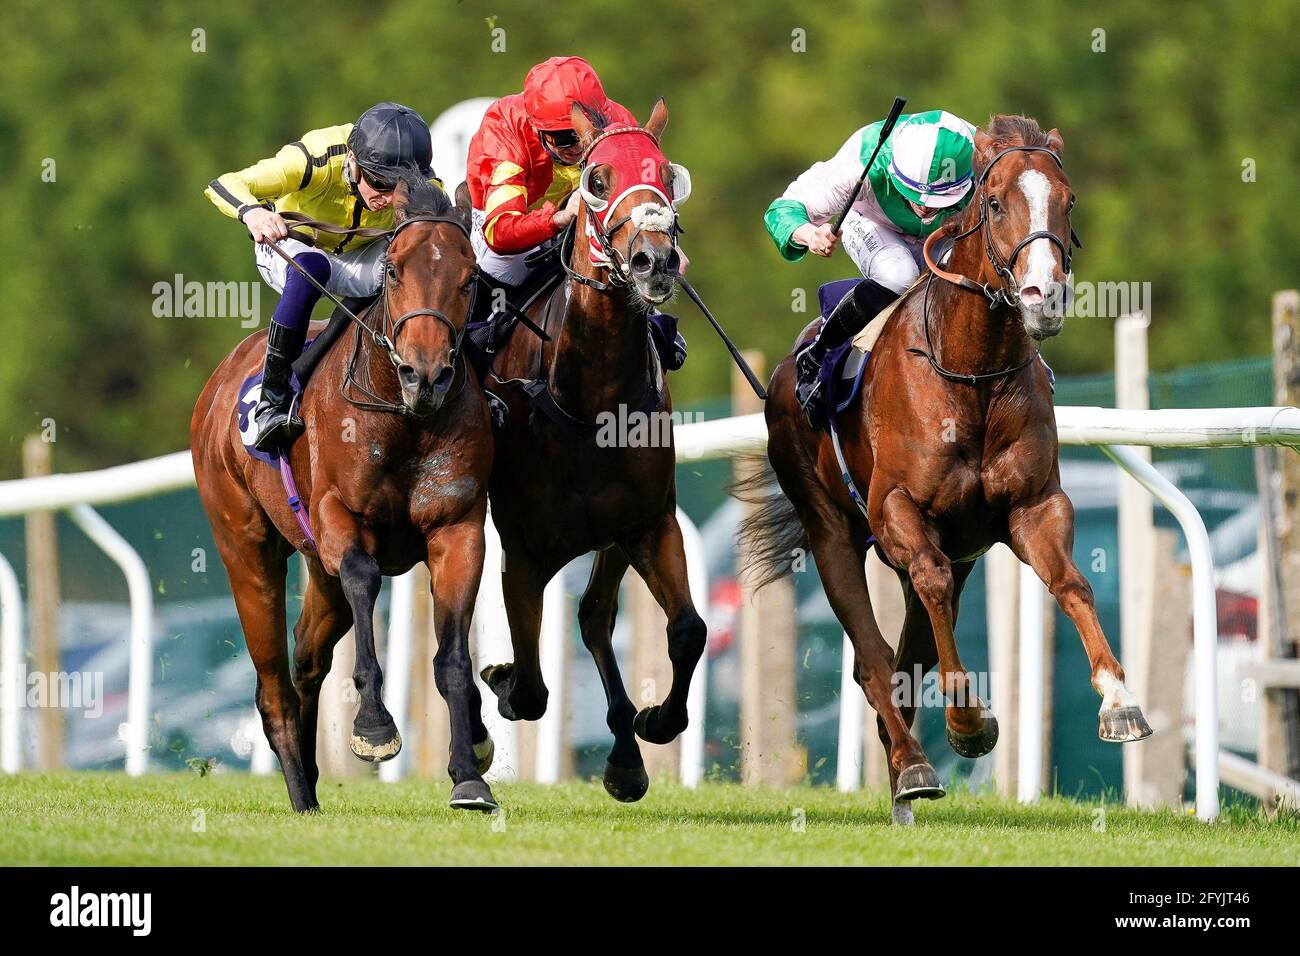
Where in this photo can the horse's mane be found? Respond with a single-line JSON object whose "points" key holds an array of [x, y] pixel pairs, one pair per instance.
{"points": [[598, 117], [1005, 130], [423, 198]]}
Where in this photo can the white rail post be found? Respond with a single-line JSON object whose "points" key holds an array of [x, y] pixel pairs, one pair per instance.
{"points": [[1136, 516], [554, 650], [853, 721], [697, 577], [1033, 615], [11, 662], [140, 670], [491, 645], [1205, 625], [397, 667]]}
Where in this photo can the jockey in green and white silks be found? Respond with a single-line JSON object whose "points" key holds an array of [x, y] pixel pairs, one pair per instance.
{"points": [[920, 177]]}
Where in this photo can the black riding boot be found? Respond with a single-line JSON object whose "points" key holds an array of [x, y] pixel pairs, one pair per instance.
{"points": [[669, 342], [276, 429], [846, 320]]}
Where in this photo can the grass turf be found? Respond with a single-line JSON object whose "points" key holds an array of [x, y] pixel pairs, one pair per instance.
{"points": [[238, 820]]}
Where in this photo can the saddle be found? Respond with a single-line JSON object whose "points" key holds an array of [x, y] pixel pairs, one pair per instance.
{"points": [[843, 368], [313, 354], [498, 307]]}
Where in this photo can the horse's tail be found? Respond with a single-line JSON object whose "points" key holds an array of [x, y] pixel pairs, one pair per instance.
{"points": [[771, 536]]}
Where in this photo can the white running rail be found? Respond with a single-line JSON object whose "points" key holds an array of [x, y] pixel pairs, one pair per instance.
{"points": [[723, 438]]}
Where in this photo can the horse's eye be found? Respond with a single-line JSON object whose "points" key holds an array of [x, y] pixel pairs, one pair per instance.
{"points": [[994, 204], [1071, 205], [391, 271]]}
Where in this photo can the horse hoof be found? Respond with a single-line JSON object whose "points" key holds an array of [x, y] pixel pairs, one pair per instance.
{"points": [[901, 814], [472, 795], [378, 744], [648, 725], [978, 743], [1123, 724], [918, 782], [500, 680], [484, 751], [626, 785], [495, 675]]}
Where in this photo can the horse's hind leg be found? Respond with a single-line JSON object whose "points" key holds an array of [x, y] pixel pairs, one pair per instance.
{"points": [[908, 542], [1042, 536], [325, 618], [257, 581], [841, 562], [519, 688], [455, 567], [660, 559], [916, 656], [625, 776]]}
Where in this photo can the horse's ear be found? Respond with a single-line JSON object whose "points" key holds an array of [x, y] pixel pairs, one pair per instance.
{"points": [[463, 205], [585, 122], [658, 119], [401, 195], [1054, 141], [984, 150]]}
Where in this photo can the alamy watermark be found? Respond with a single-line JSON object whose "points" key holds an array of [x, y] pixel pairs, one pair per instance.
{"points": [[78, 690], [208, 300], [637, 429]]}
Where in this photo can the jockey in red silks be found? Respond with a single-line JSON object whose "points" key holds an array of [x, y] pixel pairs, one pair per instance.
{"points": [[524, 169]]}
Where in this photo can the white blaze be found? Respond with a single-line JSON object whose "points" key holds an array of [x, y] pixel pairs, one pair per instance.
{"points": [[1040, 260]]}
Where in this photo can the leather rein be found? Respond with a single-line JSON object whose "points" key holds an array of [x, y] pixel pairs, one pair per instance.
{"points": [[1004, 294]]}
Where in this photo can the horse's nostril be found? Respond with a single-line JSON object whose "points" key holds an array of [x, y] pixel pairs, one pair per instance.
{"points": [[442, 381], [1031, 295], [673, 264], [642, 263], [408, 376]]}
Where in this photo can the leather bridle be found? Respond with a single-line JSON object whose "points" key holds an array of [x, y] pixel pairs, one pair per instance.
{"points": [[385, 336], [1006, 294]]}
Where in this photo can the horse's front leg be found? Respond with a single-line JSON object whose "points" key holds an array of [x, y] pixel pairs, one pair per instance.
{"points": [[374, 734], [910, 543], [1042, 536], [455, 568], [660, 559]]}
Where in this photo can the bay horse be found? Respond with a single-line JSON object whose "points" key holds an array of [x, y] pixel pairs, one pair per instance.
{"points": [[952, 441], [391, 480], [558, 490]]}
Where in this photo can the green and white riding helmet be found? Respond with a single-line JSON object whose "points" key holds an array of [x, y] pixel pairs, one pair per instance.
{"points": [[931, 158]]}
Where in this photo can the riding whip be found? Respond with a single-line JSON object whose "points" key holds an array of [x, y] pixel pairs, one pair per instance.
{"points": [[885, 130], [735, 353]]}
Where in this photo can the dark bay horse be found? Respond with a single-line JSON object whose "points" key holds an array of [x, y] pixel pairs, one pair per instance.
{"points": [[389, 481], [953, 446], [558, 489]]}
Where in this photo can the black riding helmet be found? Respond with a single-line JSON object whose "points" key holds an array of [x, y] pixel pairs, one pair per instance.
{"points": [[390, 136]]}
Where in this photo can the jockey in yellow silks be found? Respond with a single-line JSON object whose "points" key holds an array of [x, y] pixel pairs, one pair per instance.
{"points": [[340, 175]]}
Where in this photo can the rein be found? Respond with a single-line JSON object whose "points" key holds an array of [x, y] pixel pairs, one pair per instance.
{"points": [[382, 337], [996, 297]]}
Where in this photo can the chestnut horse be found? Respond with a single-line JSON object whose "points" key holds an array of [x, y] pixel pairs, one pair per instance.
{"points": [[558, 489], [953, 445], [389, 481]]}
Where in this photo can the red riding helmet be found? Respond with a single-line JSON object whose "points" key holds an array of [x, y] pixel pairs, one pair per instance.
{"points": [[552, 87]]}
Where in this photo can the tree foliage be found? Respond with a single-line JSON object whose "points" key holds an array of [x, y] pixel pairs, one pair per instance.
{"points": [[1159, 129]]}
